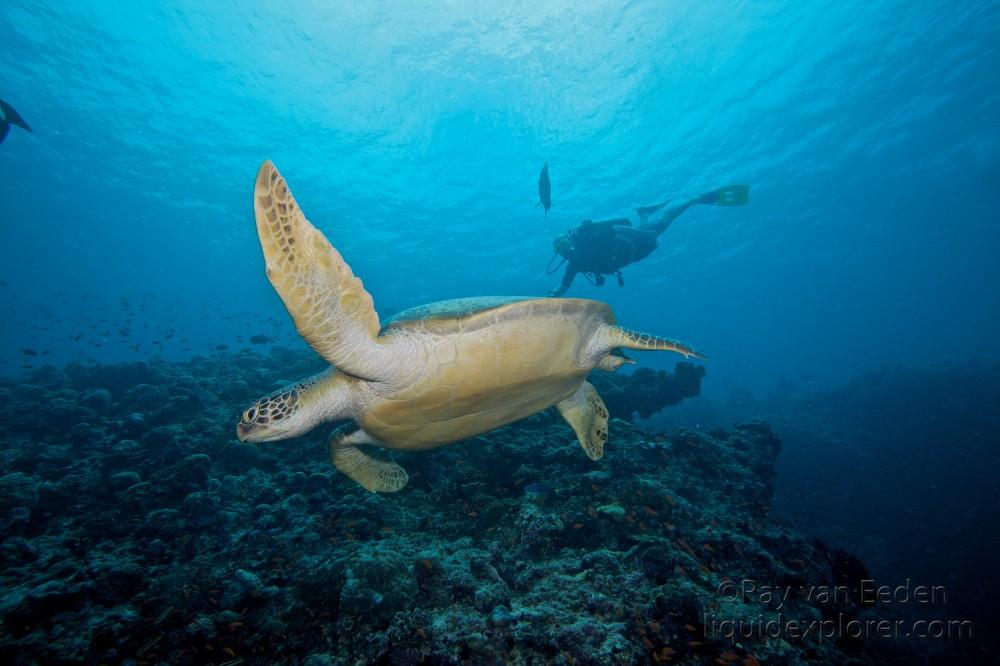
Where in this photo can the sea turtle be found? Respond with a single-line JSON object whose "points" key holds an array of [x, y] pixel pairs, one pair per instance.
{"points": [[431, 375]]}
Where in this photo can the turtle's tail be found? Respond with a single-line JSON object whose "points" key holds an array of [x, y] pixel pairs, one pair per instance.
{"points": [[617, 337]]}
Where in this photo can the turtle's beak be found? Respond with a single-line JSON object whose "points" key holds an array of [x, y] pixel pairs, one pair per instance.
{"points": [[242, 431]]}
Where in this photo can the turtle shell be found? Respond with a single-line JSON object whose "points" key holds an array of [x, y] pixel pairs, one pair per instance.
{"points": [[486, 362]]}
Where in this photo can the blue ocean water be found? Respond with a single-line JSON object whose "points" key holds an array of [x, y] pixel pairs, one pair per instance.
{"points": [[852, 304], [412, 134]]}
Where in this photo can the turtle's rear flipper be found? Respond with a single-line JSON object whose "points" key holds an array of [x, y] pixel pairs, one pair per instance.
{"points": [[615, 336], [378, 476], [586, 414]]}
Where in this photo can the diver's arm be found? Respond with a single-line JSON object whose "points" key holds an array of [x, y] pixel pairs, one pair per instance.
{"points": [[567, 280]]}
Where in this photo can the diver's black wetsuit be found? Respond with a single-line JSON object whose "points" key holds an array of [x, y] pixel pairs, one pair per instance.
{"points": [[605, 248]]}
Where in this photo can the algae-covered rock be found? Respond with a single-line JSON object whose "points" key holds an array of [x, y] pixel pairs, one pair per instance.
{"points": [[378, 581], [18, 496], [537, 527], [96, 399], [615, 512]]}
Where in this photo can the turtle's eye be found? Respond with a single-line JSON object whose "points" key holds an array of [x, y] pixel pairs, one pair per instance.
{"points": [[250, 414]]}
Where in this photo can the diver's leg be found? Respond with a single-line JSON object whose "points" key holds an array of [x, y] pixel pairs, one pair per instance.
{"points": [[642, 240], [731, 195], [671, 214]]}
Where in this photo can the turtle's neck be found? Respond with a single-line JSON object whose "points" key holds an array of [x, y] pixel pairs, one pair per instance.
{"points": [[328, 396]]}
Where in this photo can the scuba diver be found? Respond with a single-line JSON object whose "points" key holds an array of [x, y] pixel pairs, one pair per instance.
{"points": [[604, 248], [8, 117]]}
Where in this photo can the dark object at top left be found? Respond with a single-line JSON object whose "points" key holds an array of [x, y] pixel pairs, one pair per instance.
{"points": [[9, 116]]}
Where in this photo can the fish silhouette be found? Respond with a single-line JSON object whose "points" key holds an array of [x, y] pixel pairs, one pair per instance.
{"points": [[8, 117], [544, 189]]}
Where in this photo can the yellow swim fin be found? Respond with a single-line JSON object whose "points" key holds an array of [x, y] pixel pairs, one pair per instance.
{"points": [[732, 195]]}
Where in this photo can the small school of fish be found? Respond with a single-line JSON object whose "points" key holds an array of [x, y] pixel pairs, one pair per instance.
{"points": [[125, 328]]}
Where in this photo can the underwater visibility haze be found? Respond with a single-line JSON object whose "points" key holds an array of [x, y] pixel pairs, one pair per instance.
{"points": [[801, 199]]}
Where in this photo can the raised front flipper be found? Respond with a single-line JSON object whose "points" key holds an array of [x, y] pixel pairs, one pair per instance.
{"points": [[586, 414], [330, 307], [379, 476]]}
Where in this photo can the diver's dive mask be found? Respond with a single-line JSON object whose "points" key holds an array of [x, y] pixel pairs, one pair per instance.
{"points": [[563, 246]]}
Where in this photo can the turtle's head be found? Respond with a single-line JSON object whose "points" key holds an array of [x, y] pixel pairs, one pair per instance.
{"points": [[295, 410]]}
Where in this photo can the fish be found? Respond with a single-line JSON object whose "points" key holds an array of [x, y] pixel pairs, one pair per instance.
{"points": [[8, 117], [544, 189], [260, 339], [29, 352]]}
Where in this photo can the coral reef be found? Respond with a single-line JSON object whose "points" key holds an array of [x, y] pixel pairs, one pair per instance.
{"points": [[136, 529], [647, 391], [898, 466]]}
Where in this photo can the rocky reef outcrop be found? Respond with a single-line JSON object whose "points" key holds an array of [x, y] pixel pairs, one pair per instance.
{"points": [[645, 391], [137, 529]]}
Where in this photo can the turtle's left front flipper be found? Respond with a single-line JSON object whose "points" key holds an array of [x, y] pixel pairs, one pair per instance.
{"points": [[586, 414], [330, 306], [378, 476]]}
